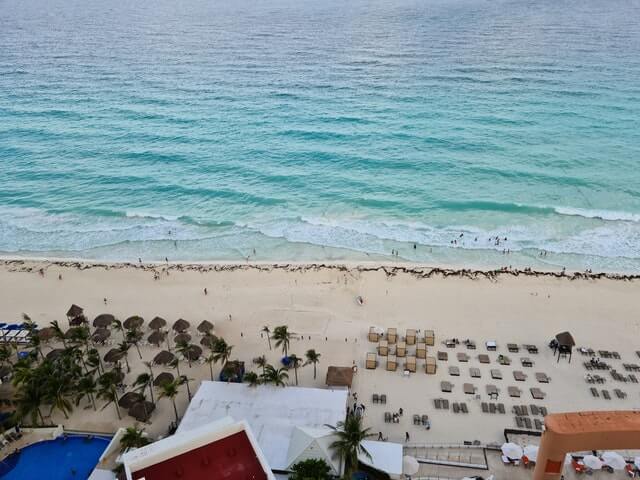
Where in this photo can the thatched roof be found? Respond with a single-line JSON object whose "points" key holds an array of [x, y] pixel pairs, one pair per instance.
{"points": [[565, 339], [339, 376], [205, 326], [182, 338], [77, 321], [103, 320], [208, 340], [133, 322], [46, 333], [164, 357], [164, 377], [129, 399], [100, 335], [157, 337], [74, 311], [181, 325], [193, 353], [114, 355], [157, 323], [142, 411]]}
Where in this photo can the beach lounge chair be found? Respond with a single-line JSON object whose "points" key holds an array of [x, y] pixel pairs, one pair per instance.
{"points": [[410, 363], [437, 403], [401, 349], [541, 377], [496, 374], [519, 376], [543, 411], [463, 407], [514, 392], [387, 417], [446, 386], [445, 404], [421, 350], [474, 372], [469, 388], [375, 398], [526, 362], [519, 422], [410, 337], [371, 361], [504, 360], [430, 365], [485, 407], [619, 393], [527, 423], [429, 338], [537, 423], [392, 335], [501, 409], [471, 344], [456, 407], [524, 410], [483, 358], [537, 394], [491, 345], [416, 419], [383, 399], [373, 336], [492, 391], [462, 357], [454, 371], [534, 409], [594, 392], [531, 349], [606, 395], [513, 347], [492, 408], [383, 348], [392, 363], [443, 356]]}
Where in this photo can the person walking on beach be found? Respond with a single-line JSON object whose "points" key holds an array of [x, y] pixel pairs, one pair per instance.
{"points": [[406, 436], [205, 291], [380, 437]]}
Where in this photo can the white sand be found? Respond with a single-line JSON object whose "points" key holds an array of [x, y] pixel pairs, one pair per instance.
{"points": [[321, 303]]}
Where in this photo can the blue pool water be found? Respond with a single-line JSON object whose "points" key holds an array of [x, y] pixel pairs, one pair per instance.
{"points": [[331, 129], [55, 459]]}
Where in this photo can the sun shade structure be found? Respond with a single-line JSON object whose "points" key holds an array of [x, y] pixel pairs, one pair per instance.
{"points": [[208, 341], [512, 451], [100, 335], [103, 320], [156, 338], [141, 411], [164, 377], [77, 321], [164, 358], [385, 457], [181, 325], [114, 355], [205, 326], [157, 323], [565, 339], [593, 462], [74, 311], [531, 452], [182, 338], [133, 322], [614, 460], [129, 399], [193, 352], [410, 465], [339, 376]]}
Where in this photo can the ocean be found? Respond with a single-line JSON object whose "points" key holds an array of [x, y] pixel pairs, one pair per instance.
{"points": [[458, 132]]}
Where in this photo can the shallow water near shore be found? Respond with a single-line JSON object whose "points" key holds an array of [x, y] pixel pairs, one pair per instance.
{"points": [[323, 131]]}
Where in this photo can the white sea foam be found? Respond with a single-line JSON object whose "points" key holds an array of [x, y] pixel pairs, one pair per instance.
{"points": [[610, 215]]}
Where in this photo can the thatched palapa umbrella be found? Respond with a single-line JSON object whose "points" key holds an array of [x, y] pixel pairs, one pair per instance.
{"points": [[133, 322], [164, 358], [193, 353], [129, 399], [157, 323], [141, 411], [181, 325], [208, 341], [77, 321], [104, 320], [46, 333], [205, 326], [156, 338], [164, 377], [114, 355], [182, 338], [100, 335], [74, 311]]}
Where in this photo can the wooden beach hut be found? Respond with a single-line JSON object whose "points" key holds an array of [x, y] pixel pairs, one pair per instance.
{"points": [[392, 363], [371, 362], [410, 363], [429, 338], [374, 336], [383, 348], [401, 349], [421, 350], [392, 335], [430, 366], [410, 337]]}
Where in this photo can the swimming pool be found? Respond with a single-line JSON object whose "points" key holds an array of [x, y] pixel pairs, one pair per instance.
{"points": [[70, 458]]}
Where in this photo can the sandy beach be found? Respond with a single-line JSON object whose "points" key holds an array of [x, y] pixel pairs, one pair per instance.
{"points": [[319, 304]]}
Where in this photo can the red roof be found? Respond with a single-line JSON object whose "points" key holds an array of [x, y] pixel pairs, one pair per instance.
{"points": [[230, 458]]}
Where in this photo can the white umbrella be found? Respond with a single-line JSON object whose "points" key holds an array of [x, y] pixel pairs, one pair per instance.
{"points": [[593, 462], [614, 460], [512, 451], [531, 452], [410, 465], [636, 462]]}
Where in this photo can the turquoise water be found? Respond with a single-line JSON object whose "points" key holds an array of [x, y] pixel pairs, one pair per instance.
{"points": [[332, 130], [55, 459]]}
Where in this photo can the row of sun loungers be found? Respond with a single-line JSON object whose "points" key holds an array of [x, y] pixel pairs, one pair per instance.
{"points": [[381, 399], [391, 418], [527, 424], [441, 403], [421, 420], [15, 334], [631, 367], [596, 366], [523, 410], [606, 395], [459, 407], [493, 408], [594, 378], [623, 378], [9, 437]]}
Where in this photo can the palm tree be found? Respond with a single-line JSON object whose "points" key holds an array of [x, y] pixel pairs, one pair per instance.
{"points": [[185, 350], [282, 336], [58, 333], [261, 362], [266, 330], [133, 437], [5, 354], [86, 387], [275, 376], [124, 347], [295, 363], [175, 363], [183, 380], [313, 357], [210, 359], [117, 325], [94, 361], [221, 351], [80, 336], [56, 396], [348, 444], [251, 378], [143, 381], [107, 390], [134, 336], [28, 400], [36, 343], [170, 390]]}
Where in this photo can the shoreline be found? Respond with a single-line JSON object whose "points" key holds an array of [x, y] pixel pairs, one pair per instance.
{"points": [[417, 270]]}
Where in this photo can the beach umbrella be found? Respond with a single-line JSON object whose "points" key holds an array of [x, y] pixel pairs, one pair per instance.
{"points": [[511, 451], [164, 358], [103, 320], [592, 462], [129, 399], [531, 452], [74, 311], [133, 322], [77, 321], [208, 341], [114, 355], [100, 335], [182, 338], [181, 325], [193, 352], [565, 339], [410, 465], [205, 326], [141, 411], [55, 353], [164, 377], [46, 333], [156, 338], [157, 323], [614, 460]]}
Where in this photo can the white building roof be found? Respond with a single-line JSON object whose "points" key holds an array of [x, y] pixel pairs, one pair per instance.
{"points": [[273, 413], [309, 443], [385, 457]]}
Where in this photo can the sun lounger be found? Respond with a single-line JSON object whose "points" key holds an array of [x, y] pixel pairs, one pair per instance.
{"points": [[492, 408], [469, 388], [445, 404], [633, 378], [454, 371], [443, 356], [531, 349], [513, 347], [471, 345], [543, 411], [594, 392], [387, 417], [462, 357], [492, 391], [542, 377], [534, 410], [491, 345], [474, 372], [496, 374], [437, 403], [519, 422], [527, 423], [504, 360], [514, 392], [524, 410], [446, 386], [483, 358], [501, 408], [485, 407], [392, 335], [537, 423], [606, 395], [375, 398], [526, 362], [416, 419], [456, 407], [537, 394], [410, 337], [619, 393], [421, 350], [463, 407], [383, 399], [519, 376]]}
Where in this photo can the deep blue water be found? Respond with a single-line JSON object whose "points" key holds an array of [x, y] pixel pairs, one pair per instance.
{"points": [[55, 459], [322, 130]]}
